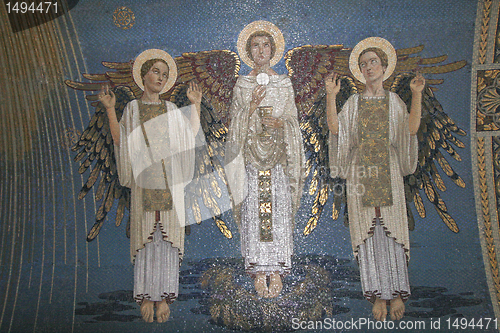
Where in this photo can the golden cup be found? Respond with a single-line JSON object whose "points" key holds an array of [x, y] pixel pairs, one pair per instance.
{"points": [[265, 111]]}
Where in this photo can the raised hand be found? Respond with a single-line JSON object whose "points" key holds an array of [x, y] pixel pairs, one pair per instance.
{"points": [[107, 97], [332, 84], [194, 93], [417, 84], [258, 94]]}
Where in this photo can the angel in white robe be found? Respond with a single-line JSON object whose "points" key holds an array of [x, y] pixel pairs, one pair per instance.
{"points": [[373, 143], [264, 160], [154, 149]]}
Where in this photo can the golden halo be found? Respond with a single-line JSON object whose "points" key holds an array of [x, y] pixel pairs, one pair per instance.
{"points": [[380, 43], [155, 54], [268, 27]]}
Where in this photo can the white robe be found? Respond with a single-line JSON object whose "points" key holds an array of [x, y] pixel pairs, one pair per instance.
{"points": [[157, 268], [380, 245], [172, 222], [403, 161], [287, 173]]}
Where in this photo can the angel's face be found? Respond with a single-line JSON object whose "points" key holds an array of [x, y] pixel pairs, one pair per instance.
{"points": [[371, 67], [261, 50], [156, 78]]}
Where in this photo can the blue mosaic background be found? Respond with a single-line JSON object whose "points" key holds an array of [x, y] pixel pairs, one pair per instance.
{"points": [[439, 258]]}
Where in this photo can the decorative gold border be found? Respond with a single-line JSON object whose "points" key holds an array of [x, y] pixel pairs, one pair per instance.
{"points": [[486, 100], [265, 206], [483, 43], [485, 208], [482, 149]]}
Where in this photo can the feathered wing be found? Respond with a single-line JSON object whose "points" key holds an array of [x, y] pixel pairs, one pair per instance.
{"points": [[95, 147], [216, 72], [437, 133], [309, 65]]}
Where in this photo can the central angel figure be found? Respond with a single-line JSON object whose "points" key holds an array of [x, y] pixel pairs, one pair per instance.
{"points": [[264, 158]]}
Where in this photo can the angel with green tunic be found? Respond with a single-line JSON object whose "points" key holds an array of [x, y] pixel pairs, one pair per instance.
{"points": [[374, 132], [374, 147]]}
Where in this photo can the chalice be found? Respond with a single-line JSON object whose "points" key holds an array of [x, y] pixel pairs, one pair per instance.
{"points": [[265, 111]]}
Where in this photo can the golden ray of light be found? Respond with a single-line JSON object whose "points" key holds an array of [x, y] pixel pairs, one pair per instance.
{"points": [[42, 266], [78, 71], [15, 70], [18, 152], [7, 90], [12, 210], [38, 109], [67, 105], [23, 139], [22, 119], [47, 136], [47, 144], [68, 66], [24, 212], [3, 191], [56, 128], [69, 108], [11, 260], [82, 125]]}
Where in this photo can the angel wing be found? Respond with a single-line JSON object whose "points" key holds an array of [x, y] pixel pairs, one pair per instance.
{"points": [[437, 132], [216, 72], [308, 66], [95, 146]]}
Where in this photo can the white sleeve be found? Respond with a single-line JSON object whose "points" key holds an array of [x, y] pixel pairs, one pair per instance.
{"points": [[406, 144], [122, 154]]}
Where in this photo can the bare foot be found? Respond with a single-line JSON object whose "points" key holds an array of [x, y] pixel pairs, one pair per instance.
{"points": [[147, 310], [397, 308], [275, 285], [162, 311], [379, 309], [260, 284]]}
